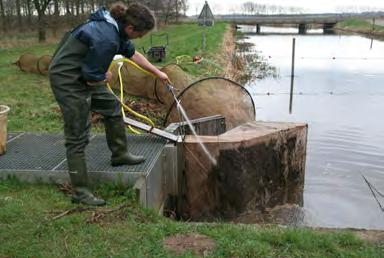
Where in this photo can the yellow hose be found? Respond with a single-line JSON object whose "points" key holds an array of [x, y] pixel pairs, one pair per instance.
{"points": [[123, 105], [129, 61]]}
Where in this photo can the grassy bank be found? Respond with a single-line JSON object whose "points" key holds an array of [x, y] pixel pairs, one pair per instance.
{"points": [[361, 26], [39, 220], [32, 224], [29, 95]]}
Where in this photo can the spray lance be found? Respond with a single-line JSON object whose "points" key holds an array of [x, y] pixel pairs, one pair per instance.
{"points": [[184, 115], [151, 127]]}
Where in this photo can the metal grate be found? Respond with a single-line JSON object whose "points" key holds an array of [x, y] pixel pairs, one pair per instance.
{"points": [[98, 154], [46, 152], [33, 152], [11, 136]]}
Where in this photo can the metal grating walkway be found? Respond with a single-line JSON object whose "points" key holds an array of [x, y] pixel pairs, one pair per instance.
{"points": [[29, 153]]}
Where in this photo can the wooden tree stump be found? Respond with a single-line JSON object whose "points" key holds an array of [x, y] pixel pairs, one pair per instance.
{"points": [[259, 165]]}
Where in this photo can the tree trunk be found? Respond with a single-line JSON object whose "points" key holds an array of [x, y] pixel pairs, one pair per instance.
{"points": [[29, 12], [77, 8], [92, 5], [67, 9], [56, 15], [177, 11], [42, 28], [82, 7], [3, 18], [18, 12], [72, 8], [41, 7], [168, 11]]}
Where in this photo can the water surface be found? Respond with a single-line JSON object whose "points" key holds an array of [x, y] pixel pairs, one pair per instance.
{"points": [[339, 92]]}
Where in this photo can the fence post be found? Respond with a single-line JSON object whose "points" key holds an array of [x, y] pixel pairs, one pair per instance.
{"points": [[292, 74], [204, 42]]}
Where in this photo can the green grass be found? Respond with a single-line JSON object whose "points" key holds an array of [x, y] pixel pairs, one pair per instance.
{"points": [[26, 211], [186, 39], [28, 95], [33, 107], [27, 230], [360, 25]]}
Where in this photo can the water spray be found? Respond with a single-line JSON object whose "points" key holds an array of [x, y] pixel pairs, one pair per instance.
{"points": [[186, 118]]}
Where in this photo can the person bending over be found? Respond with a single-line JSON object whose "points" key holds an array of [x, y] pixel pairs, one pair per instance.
{"points": [[78, 75]]}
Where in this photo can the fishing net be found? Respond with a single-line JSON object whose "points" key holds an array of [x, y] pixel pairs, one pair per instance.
{"points": [[28, 63], [43, 64], [34, 64], [206, 97], [180, 80], [215, 96], [137, 83]]}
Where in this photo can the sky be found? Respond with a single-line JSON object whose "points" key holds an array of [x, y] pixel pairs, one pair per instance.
{"points": [[312, 6]]}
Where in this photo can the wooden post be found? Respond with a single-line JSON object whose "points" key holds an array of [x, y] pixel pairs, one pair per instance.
{"points": [[373, 24], [292, 74], [373, 28], [204, 42]]}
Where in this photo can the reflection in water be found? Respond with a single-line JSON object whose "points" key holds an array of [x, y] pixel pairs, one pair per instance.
{"points": [[339, 92], [265, 30]]}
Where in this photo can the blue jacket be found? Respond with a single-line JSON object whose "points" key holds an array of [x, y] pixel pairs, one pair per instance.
{"points": [[105, 38]]}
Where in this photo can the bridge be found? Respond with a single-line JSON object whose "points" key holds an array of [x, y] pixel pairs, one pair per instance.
{"points": [[327, 21]]}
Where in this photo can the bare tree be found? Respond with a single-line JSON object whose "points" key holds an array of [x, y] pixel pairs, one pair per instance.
{"points": [[41, 15], [19, 18], [41, 7], [3, 17]]}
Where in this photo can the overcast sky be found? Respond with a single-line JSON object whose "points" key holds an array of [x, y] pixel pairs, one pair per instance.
{"points": [[314, 6]]}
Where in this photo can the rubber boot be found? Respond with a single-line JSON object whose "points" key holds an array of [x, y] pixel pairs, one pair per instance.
{"points": [[117, 143], [79, 179]]}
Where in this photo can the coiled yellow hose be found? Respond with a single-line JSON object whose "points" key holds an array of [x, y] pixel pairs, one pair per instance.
{"points": [[123, 105]]}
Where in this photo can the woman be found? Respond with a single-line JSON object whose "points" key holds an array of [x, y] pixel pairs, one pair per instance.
{"points": [[78, 76]]}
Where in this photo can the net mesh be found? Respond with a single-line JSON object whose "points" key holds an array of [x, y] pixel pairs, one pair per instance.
{"points": [[34, 64], [215, 96], [206, 97]]}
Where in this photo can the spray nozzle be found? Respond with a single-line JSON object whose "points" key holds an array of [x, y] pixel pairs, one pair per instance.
{"points": [[171, 88]]}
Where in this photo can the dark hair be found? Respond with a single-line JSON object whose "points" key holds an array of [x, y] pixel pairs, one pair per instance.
{"points": [[137, 15]]}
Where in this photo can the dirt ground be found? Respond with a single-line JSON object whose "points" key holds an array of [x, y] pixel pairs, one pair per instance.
{"points": [[199, 244], [233, 65]]}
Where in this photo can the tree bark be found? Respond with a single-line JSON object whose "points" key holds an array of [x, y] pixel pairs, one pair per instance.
{"points": [[29, 12], [67, 9], [177, 11], [56, 15], [41, 7], [18, 12], [168, 11], [3, 18]]}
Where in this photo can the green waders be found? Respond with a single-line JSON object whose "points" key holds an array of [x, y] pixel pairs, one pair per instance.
{"points": [[76, 99]]}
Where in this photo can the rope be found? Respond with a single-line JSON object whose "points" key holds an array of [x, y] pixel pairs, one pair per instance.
{"points": [[374, 191]]}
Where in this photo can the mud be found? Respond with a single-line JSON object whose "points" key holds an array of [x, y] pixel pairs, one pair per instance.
{"points": [[199, 244], [287, 214]]}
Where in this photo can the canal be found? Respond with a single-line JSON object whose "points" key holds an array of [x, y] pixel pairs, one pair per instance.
{"points": [[339, 92]]}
